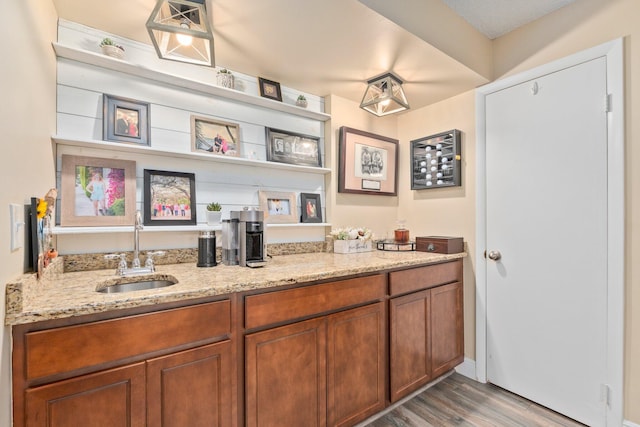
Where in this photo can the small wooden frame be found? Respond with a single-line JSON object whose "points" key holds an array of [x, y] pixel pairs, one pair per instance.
{"points": [[215, 137], [311, 208], [125, 120], [278, 207], [169, 198], [270, 89]]}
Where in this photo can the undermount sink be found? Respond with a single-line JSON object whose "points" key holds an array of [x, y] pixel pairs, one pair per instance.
{"points": [[137, 285]]}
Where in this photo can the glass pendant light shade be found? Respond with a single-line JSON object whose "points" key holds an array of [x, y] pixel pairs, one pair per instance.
{"points": [[384, 95], [180, 31]]}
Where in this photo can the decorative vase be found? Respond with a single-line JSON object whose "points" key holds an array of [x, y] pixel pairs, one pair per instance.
{"points": [[113, 51], [352, 246], [214, 217], [225, 80], [302, 103]]}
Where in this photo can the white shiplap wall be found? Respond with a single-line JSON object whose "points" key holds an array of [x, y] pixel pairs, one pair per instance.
{"points": [[79, 117]]}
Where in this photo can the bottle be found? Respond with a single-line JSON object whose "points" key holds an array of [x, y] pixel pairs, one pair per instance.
{"points": [[207, 249], [401, 234]]}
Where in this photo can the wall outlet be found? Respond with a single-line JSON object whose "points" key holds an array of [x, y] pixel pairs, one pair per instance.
{"points": [[16, 219]]}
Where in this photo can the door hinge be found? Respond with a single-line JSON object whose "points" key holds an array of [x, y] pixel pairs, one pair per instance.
{"points": [[605, 395], [607, 103]]}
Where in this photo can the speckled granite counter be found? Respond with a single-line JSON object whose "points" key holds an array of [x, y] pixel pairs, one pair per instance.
{"points": [[61, 295]]}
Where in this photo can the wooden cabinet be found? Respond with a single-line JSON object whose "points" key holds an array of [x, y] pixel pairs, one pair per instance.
{"points": [[425, 326], [329, 370], [168, 368]]}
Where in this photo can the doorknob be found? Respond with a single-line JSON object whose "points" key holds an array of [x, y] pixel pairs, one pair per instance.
{"points": [[494, 255]]}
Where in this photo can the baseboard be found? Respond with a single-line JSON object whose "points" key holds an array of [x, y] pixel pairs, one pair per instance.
{"points": [[468, 369], [626, 423]]}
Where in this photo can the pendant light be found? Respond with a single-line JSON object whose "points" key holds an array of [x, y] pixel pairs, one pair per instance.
{"points": [[384, 95], [180, 31]]}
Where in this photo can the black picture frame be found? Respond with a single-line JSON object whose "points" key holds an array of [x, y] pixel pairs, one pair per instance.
{"points": [[125, 120], [311, 207], [169, 198], [270, 89], [435, 161], [293, 148]]}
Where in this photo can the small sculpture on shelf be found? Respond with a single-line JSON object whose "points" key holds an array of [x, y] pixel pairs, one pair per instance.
{"points": [[214, 213], [111, 48]]}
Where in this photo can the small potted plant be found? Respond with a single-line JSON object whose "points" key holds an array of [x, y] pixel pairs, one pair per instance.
{"points": [[225, 78], [111, 48], [301, 101], [214, 213]]}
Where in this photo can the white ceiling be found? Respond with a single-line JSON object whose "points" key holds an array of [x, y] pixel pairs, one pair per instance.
{"points": [[326, 46]]}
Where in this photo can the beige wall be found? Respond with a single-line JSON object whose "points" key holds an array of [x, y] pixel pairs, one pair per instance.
{"points": [[582, 25], [27, 120]]}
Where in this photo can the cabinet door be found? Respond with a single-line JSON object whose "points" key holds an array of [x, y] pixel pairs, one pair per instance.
{"points": [[285, 375], [355, 364], [111, 398], [191, 388], [409, 347], [447, 330]]}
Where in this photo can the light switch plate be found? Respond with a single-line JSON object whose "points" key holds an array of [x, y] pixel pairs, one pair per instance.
{"points": [[16, 218]]}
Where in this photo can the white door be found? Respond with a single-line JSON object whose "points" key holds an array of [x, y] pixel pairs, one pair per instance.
{"points": [[546, 218]]}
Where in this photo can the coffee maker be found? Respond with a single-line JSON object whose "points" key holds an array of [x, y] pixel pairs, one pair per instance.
{"points": [[243, 241]]}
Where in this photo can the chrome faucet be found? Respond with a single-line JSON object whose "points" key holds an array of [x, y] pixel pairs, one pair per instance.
{"points": [[149, 266]]}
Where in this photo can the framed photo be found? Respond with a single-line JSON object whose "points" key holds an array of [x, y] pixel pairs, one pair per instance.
{"points": [[97, 192], [297, 149], [215, 137], [125, 120], [368, 163], [270, 89], [278, 207], [169, 198], [311, 207]]}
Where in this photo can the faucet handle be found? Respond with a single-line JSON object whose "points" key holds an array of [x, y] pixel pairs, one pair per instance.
{"points": [[122, 265], [149, 262]]}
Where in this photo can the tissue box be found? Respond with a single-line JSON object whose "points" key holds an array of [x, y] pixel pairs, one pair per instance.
{"points": [[440, 244]]}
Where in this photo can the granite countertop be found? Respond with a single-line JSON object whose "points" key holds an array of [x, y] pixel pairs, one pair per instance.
{"points": [[59, 295]]}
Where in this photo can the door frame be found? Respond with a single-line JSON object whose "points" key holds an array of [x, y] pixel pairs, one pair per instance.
{"points": [[614, 53]]}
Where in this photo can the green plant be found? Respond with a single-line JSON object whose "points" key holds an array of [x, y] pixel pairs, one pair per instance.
{"points": [[214, 207], [301, 98], [224, 71], [108, 42]]}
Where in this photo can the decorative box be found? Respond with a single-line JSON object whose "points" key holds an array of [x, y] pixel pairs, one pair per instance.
{"points": [[352, 246], [440, 244]]}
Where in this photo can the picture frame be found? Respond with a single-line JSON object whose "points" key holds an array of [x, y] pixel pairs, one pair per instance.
{"points": [[435, 161], [311, 208], [293, 148], [270, 89], [125, 120], [368, 163], [169, 198], [215, 137], [97, 192], [278, 207]]}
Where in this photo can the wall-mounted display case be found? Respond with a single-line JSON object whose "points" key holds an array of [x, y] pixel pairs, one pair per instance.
{"points": [[435, 161]]}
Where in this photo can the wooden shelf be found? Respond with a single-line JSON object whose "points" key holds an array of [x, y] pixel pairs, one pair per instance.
{"points": [[152, 229], [113, 64], [143, 149]]}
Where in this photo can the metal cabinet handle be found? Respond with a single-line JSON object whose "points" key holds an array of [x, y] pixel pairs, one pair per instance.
{"points": [[494, 255]]}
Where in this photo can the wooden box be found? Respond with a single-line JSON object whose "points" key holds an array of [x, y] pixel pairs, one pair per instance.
{"points": [[440, 244]]}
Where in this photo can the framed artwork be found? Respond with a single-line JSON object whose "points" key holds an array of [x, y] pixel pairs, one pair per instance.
{"points": [[97, 192], [270, 89], [293, 148], [435, 161], [215, 137], [125, 120], [368, 163], [278, 207], [311, 207], [169, 198]]}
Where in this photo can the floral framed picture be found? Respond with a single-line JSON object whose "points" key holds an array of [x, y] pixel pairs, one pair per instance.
{"points": [[293, 148], [169, 198], [215, 137], [310, 207], [368, 163], [270, 89], [125, 120], [278, 207], [97, 192]]}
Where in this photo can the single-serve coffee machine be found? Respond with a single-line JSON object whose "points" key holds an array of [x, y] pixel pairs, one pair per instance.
{"points": [[243, 241]]}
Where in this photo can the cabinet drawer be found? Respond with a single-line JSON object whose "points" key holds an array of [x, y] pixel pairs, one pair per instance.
{"points": [[405, 281], [291, 304], [69, 348]]}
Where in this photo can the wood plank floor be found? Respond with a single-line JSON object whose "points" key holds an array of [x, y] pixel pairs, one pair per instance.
{"points": [[459, 401]]}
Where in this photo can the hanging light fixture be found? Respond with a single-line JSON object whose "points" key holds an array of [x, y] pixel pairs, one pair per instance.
{"points": [[384, 95], [180, 31]]}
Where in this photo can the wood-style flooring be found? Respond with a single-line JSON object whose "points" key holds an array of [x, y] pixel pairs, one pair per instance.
{"points": [[460, 401]]}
